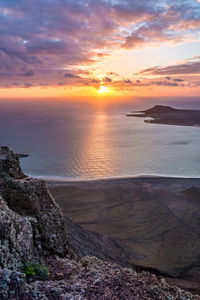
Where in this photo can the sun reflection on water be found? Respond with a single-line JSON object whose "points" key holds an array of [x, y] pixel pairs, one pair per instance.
{"points": [[97, 151]]}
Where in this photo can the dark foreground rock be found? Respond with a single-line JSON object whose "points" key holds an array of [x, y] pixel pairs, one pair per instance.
{"points": [[31, 224], [167, 115], [33, 229], [89, 278]]}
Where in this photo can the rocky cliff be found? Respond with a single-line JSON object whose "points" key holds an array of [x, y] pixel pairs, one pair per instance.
{"points": [[31, 224], [33, 229]]}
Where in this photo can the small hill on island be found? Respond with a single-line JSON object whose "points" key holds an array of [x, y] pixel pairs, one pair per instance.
{"points": [[160, 109]]}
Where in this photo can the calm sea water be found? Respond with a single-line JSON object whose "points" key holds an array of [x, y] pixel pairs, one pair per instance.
{"points": [[73, 140]]}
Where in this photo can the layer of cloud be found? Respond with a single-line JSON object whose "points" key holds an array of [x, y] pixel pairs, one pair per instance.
{"points": [[191, 66], [52, 41], [71, 75]]}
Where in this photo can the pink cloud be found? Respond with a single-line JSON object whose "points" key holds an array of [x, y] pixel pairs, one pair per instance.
{"points": [[42, 39]]}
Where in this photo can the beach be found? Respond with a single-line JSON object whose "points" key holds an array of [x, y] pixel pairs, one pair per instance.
{"points": [[155, 218]]}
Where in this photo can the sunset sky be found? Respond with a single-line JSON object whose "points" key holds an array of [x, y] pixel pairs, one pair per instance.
{"points": [[99, 47]]}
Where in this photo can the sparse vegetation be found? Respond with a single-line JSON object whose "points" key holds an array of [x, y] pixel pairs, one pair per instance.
{"points": [[40, 228], [35, 270]]}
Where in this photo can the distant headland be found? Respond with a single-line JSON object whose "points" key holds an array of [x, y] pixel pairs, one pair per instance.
{"points": [[162, 114]]}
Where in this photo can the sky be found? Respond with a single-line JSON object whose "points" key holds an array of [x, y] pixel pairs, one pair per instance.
{"points": [[88, 48]]}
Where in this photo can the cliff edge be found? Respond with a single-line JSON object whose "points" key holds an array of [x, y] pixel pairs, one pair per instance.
{"points": [[31, 224], [33, 230]]}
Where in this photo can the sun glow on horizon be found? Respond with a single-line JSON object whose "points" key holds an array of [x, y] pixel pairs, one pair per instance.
{"points": [[103, 89]]}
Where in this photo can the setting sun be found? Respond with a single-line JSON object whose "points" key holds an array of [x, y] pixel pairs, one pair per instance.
{"points": [[103, 90]]}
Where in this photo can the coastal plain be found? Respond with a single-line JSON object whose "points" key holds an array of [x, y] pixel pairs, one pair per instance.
{"points": [[156, 219]]}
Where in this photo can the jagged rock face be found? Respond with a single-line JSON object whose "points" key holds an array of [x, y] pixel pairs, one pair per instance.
{"points": [[31, 224], [9, 163], [91, 278], [13, 286], [16, 237], [88, 279]]}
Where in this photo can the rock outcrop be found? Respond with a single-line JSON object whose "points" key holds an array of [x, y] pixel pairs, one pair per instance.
{"points": [[31, 224], [90, 278], [32, 228]]}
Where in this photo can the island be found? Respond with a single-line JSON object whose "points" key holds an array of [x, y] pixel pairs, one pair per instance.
{"points": [[162, 114]]}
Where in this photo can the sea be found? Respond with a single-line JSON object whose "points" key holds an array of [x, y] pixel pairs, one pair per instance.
{"points": [[72, 140]]}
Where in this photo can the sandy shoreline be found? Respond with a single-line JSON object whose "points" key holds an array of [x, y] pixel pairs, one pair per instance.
{"points": [[53, 179], [167, 181]]}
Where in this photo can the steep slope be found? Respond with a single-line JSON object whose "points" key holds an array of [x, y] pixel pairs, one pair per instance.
{"points": [[32, 228]]}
